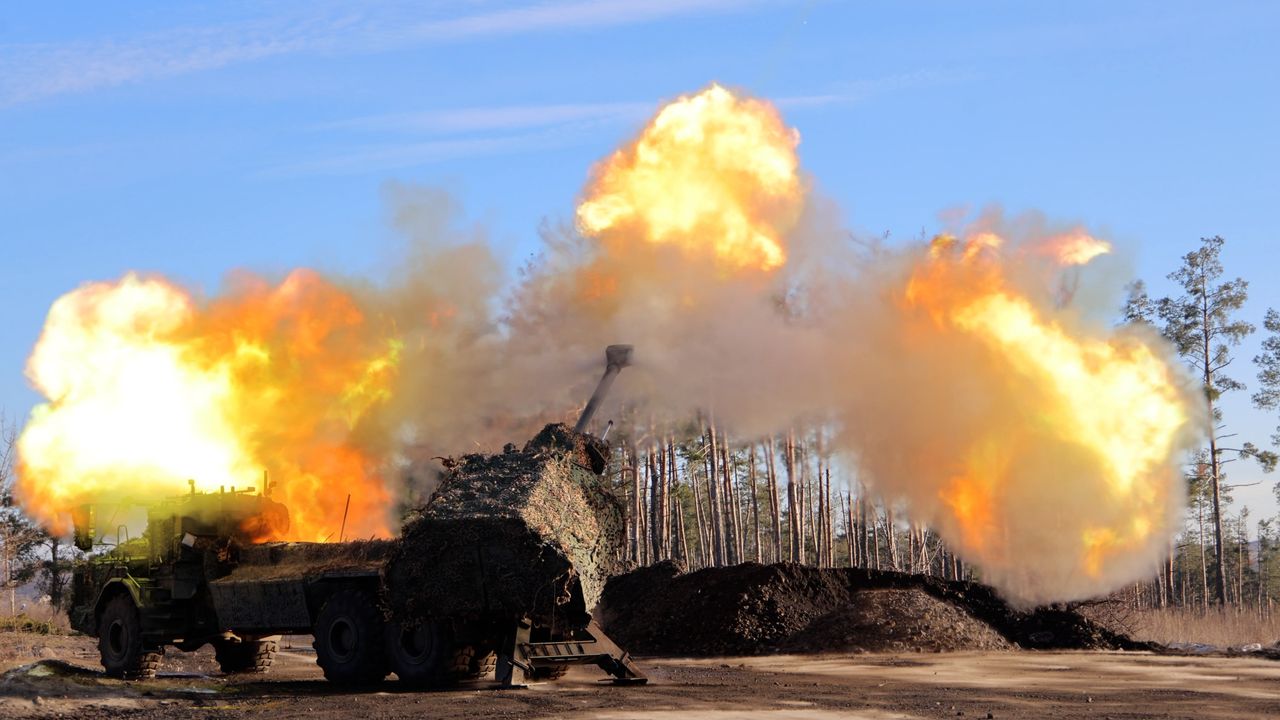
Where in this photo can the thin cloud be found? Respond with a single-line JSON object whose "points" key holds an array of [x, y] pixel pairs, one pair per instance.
{"points": [[396, 156], [456, 133], [572, 16], [33, 71], [495, 118]]}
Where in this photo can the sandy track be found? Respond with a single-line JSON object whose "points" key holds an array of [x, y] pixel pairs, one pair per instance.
{"points": [[873, 686]]}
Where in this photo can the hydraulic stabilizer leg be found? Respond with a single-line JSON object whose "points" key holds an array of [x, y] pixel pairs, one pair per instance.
{"points": [[512, 658], [592, 647]]}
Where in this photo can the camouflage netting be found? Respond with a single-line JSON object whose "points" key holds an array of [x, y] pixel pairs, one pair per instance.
{"points": [[532, 533], [299, 560]]}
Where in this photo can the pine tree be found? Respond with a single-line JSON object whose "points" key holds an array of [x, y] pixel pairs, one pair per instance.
{"points": [[19, 537], [1268, 395], [1202, 324]]}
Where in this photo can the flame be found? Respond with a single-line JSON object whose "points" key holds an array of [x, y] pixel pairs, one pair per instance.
{"points": [[1103, 413], [711, 173], [146, 389], [1076, 248]]}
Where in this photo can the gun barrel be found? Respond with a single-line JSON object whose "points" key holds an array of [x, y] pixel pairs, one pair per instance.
{"points": [[616, 357]]}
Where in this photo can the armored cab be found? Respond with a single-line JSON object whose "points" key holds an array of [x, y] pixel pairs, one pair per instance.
{"points": [[149, 592]]}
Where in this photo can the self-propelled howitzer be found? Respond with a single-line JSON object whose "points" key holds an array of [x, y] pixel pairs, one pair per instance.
{"points": [[496, 573]]}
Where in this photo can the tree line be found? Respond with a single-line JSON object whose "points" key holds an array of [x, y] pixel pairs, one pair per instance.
{"points": [[27, 551], [697, 496]]}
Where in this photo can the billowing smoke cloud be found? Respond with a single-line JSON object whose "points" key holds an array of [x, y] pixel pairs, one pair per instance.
{"points": [[968, 379]]}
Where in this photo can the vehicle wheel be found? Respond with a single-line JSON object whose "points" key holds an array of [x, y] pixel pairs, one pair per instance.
{"points": [[468, 664], [349, 639], [246, 656], [483, 665], [120, 642], [421, 654]]}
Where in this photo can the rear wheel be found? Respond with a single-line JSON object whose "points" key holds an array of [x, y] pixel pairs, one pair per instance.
{"points": [[120, 642], [483, 665], [349, 639], [470, 662], [421, 654], [246, 656]]}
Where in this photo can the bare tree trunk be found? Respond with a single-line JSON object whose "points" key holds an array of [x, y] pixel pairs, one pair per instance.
{"points": [[849, 530], [642, 535], [1204, 561], [775, 506], [820, 531], [863, 536], [55, 573], [713, 498], [673, 485], [829, 520], [891, 535], [655, 502], [755, 498], [1240, 566], [678, 506], [681, 531], [793, 510], [633, 538], [875, 539], [810, 517], [733, 541], [926, 560], [911, 548], [704, 545]]}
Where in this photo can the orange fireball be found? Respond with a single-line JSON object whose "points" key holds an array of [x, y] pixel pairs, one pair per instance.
{"points": [[713, 174], [1070, 414], [147, 389]]}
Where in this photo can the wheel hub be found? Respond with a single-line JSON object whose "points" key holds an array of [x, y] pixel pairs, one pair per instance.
{"points": [[116, 638], [343, 639]]}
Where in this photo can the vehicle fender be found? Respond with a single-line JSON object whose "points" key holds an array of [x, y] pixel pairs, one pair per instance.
{"points": [[112, 587]]}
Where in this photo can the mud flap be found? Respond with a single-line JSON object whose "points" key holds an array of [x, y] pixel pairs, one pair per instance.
{"points": [[518, 653]]}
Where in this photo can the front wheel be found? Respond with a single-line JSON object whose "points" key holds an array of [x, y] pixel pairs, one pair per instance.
{"points": [[120, 642], [349, 638]]}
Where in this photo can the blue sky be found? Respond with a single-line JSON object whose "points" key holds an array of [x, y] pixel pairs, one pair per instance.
{"points": [[194, 138]]}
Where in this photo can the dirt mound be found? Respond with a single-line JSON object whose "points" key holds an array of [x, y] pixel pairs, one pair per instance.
{"points": [[895, 621], [755, 609]]}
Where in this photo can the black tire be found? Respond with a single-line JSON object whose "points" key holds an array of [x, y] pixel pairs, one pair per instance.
{"points": [[422, 655], [482, 666], [349, 639], [124, 655], [468, 664], [246, 656]]}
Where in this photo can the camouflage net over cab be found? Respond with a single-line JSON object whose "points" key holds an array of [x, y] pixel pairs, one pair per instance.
{"points": [[533, 533]]}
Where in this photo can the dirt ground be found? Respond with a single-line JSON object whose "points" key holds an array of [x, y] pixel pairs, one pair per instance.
{"points": [[57, 676]]}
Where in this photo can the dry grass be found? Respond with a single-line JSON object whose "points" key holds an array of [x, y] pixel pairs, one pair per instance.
{"points": [[1222, 628], [37, 618], [25, 623]]}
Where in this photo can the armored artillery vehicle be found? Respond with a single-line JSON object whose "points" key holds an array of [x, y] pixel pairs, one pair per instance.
{"points": [[496, 573]]}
